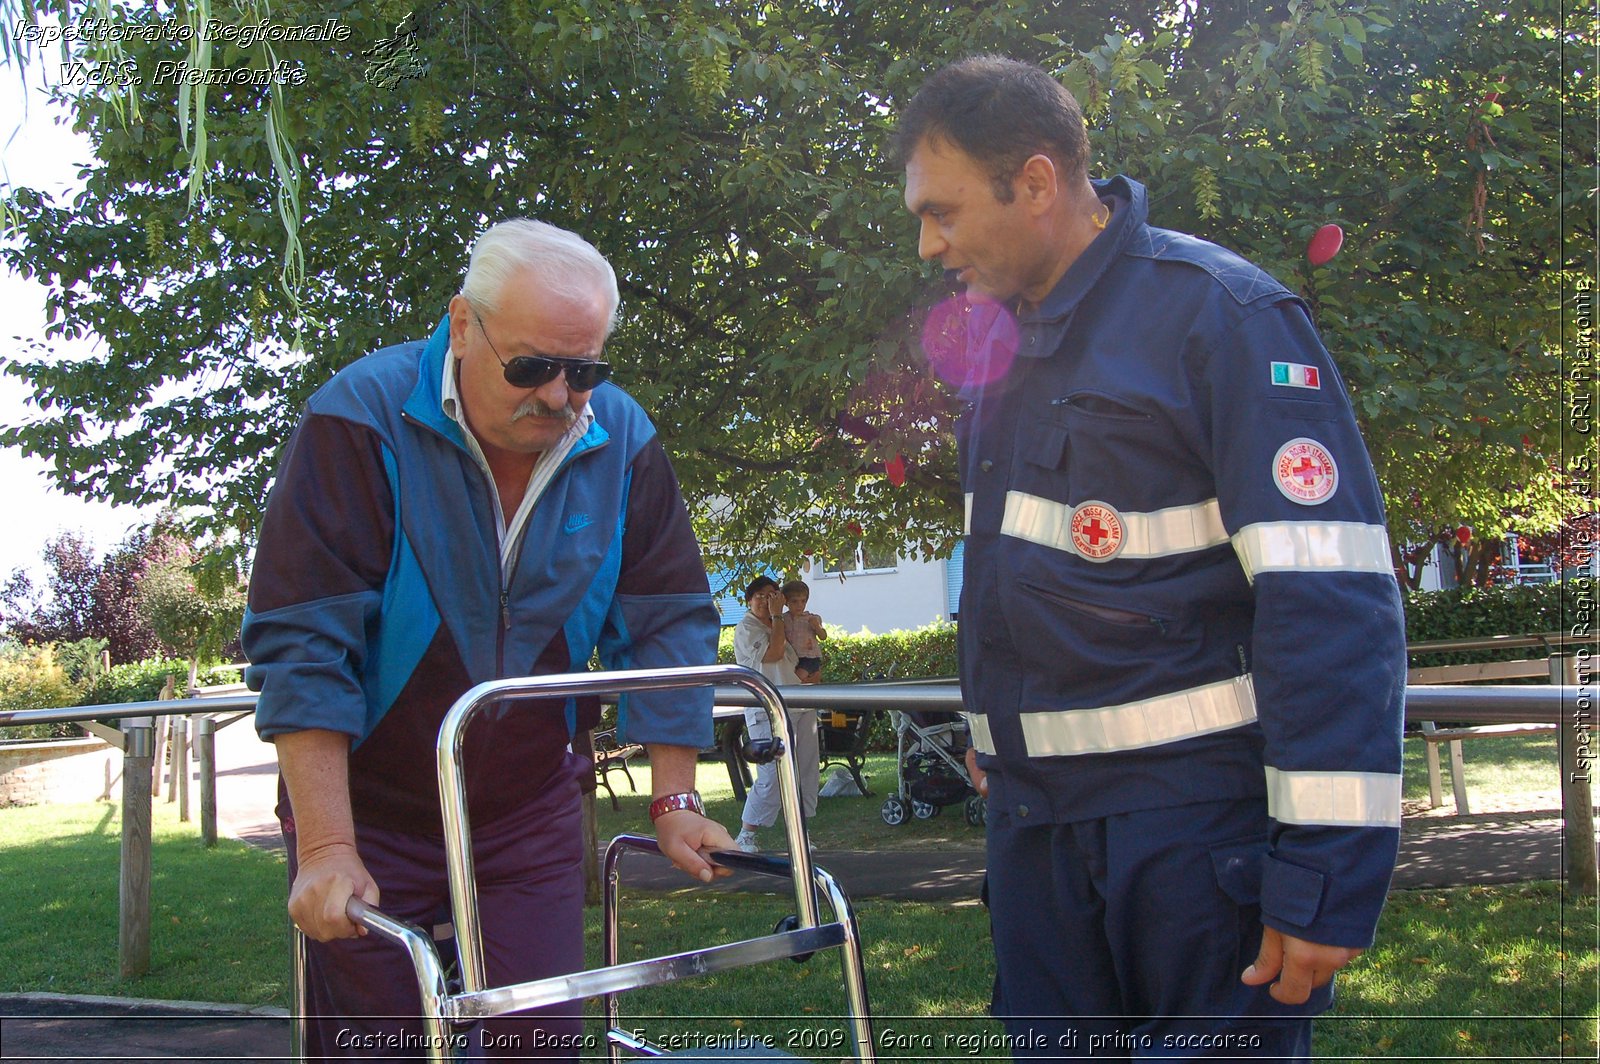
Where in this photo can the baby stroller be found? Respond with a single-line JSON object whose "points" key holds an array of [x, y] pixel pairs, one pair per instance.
{"points": [[931, 771]]}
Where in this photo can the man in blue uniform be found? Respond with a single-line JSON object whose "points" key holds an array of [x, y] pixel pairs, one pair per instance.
{"points": [[479, 505], [1182, 650]]}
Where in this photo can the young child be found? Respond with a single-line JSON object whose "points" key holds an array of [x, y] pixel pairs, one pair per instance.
{"points": [[803, 630]]}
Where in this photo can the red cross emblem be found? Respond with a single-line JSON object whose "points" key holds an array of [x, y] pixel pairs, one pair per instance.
{"points": [[1305, 472], [1097, 531]]}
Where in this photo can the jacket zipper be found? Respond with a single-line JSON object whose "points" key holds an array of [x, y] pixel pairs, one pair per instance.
{"points": [[516, 558], [1107, 614], [505, 588]]}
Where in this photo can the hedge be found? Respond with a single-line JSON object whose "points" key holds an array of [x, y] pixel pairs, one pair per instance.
{"points": [[901, 655], [1529, 609], [142, 681], [1526, 609]]}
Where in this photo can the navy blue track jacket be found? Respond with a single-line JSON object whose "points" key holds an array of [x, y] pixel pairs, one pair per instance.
{"points": [[377, 598]]}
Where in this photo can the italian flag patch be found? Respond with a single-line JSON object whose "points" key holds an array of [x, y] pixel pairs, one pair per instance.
{"points": [[1293, 375]]}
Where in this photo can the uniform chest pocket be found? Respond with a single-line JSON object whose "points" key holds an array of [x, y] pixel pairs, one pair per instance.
{"points": [[1097, 406], [1117, 452], [1047, 444], [1098, 422]]}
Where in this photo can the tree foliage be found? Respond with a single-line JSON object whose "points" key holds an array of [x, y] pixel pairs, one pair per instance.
{"points": [[729, 158], [194, 610], [85, 597], [1432, 133]]}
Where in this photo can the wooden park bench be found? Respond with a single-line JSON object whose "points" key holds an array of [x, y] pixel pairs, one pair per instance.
{"points": [[1547, 668]]}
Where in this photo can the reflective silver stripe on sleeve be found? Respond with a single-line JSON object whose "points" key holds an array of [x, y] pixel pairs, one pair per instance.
{"points": [[1335, 799], [1175, 530], [978, 726], [1148, 722], [1313, 546], [966, 514]]}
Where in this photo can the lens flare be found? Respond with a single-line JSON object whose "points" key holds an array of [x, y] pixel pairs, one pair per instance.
{"points": [[969, 342]]}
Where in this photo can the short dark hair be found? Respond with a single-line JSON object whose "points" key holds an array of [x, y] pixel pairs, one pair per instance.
{"points": [[1001, 112], [796, 587], [758, 584]]}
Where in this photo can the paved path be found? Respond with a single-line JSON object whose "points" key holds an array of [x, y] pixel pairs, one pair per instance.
{"points": [[1434, 852], [72, 1029]]}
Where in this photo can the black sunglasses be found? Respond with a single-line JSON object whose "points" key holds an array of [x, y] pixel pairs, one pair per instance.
{"points": [[533, 371]]}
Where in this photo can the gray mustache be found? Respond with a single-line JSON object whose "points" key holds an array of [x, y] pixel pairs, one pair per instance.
{"points": [[532, 407]]}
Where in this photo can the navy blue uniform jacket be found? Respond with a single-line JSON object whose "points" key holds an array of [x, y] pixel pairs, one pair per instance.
{"points": [[1178, 584]]}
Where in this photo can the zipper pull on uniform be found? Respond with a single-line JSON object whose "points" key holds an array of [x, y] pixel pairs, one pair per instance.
{"points": [[505, 609]]}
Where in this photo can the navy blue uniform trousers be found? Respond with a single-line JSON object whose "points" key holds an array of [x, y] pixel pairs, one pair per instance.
{"points": [[1124, 937], [362, 993]]}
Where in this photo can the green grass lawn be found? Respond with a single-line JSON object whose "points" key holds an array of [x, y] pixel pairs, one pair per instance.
{"points": [[1513, 772], [217, 925], [1490, 973]]}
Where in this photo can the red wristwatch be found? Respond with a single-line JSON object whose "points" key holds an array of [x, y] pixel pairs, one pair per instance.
{"points": [[668, 803]]}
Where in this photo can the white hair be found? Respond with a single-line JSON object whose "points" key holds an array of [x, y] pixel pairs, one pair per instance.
{"points": [[561, 261]]}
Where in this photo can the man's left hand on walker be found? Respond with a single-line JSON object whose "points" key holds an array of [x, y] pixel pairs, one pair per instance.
{"points": [[1294, 966], [685, 836]]}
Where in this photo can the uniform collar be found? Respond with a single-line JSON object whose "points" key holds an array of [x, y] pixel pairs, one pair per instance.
{"points": [[1127, 218]]}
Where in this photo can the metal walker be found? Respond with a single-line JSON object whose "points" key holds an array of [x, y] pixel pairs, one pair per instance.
{"points": [[801, 935]]}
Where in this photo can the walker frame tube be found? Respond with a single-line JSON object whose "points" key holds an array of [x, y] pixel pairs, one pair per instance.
{"points": [[453, 790], [843, 933]]}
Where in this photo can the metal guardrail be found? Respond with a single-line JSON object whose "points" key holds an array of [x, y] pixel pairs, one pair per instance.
{"points": [[1488, 704], [129, 710], [1496, 704]]}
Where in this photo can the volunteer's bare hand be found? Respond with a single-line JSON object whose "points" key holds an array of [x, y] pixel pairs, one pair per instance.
{"points": [[1294, 966]]}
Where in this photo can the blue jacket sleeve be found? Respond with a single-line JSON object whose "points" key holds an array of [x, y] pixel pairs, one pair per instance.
{"points": [[317, 578], [1303, 508], [662, 615]]}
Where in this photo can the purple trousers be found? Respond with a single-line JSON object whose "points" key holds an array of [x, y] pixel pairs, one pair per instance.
{"points": [[362, 998]]}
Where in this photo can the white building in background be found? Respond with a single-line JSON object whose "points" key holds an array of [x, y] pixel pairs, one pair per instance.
{"points": [[868, 592]]}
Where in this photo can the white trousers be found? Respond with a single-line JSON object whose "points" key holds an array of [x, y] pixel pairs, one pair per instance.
{"points": [[762, 806]]}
